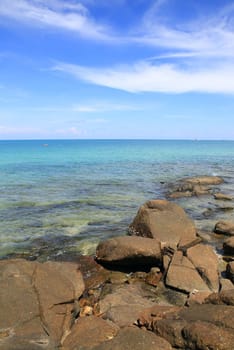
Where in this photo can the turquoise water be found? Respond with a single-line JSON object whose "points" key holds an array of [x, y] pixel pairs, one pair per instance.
{"points": [[59, 197]]}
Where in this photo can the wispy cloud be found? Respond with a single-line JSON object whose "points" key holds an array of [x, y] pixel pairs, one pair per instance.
{"points": [[54, 13], [146, 77]]}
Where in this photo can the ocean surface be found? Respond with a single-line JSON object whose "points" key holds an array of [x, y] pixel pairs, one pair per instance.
{"points": [[60, 198]]}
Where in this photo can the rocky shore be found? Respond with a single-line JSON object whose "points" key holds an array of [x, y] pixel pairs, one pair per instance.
{"points": [[161, 287]]}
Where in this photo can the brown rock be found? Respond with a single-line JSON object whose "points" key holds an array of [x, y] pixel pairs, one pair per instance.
{"points": [[88, 332], [134, 338], [171, 330], [154, 276], [224, 297], [165, 221], [206, 262], [228, 246], [183, 276], [222, 196], [36, 302], [203, 336], [204, 180], [226, 284], [147, 316], [197, 298], [230, 271], [129, 251], [225, 228]]}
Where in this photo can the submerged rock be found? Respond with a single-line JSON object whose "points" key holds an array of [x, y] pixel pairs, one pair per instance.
{"points": [[222, 196], [164, 221]]}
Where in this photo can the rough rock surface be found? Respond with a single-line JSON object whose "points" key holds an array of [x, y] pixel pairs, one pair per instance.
{"points": [[165, 221], [130, 338], [89, 332], [36, 302], [224, 297], [228, 246], [222, 196], [225, 228], [206, 263], [204, 180], [182, 275], [130, 251]]}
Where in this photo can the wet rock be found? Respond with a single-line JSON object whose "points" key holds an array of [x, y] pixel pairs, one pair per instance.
{"points": [[225, 228], [89, 332], [204, 180], [206, 263], [165, 221], [222, 196], [36, 302], [134, 338], [182, 275], [228, 246], [129, 251], [230, 271], [222, 298]]}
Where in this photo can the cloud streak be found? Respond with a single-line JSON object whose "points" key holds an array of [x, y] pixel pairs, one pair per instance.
{"points": [[164, 78]]}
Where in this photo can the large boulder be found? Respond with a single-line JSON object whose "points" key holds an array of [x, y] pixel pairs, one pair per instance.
{"points": [[130, 338], [224, 228], [37, 302], [164, 221], [206, 263], [129, 251], [224, 297], [182, 275]]}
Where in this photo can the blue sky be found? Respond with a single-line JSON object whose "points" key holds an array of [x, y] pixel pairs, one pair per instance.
{"points": [[117, 69]]}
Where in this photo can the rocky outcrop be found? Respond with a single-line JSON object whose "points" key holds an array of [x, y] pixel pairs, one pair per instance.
{"points": [[222, 196], [224, 228], [130, 251], [37, 303], [225, 297], [164, 221]]}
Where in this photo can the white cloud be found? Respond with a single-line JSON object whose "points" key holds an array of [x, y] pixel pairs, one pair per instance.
{"points": [[104, 107], [146, 77], [54, 13]]}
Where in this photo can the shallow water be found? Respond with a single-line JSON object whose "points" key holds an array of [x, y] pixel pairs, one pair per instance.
{"points": [[63, 198]]}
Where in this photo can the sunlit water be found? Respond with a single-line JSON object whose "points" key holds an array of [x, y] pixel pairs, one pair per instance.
{"points": [[61, 197]]}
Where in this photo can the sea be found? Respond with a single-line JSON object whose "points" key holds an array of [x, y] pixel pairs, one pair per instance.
{"points": [[59, 198]]}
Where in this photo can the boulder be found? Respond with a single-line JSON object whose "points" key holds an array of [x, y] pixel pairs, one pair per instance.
{"points": [[222, 196], [224, 297], [206, 263], [228, 246], [89, 332], [230, 271], [164, 221], [225, 228], [182, 275], [204, 180], [37, 302], [134, 338], [128, 251]]}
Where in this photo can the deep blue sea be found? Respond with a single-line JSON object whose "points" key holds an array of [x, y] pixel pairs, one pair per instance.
{"points": [[61, 197]]}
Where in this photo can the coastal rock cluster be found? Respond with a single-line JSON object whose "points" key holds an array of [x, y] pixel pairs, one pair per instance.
{"points": [[161, 287]]}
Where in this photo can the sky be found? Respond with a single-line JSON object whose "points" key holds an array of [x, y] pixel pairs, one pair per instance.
{"points": [[123, 69]]}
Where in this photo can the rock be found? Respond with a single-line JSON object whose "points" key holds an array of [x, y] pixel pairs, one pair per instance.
{"points": [[197, 298], [226, 284], [134, 338], [206, 263], [164, 221], [204, 180], [156, 312], [203, 336], [129, 251], [89, 332], [222, 196], [183, 276], [36, 302], [228, 246], [225, 228], [154, 276], [177, 327], [224, 297], [230, 271]]}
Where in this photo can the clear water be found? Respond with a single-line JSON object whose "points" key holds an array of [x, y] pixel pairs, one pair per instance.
{"points": [[62, 196]]}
